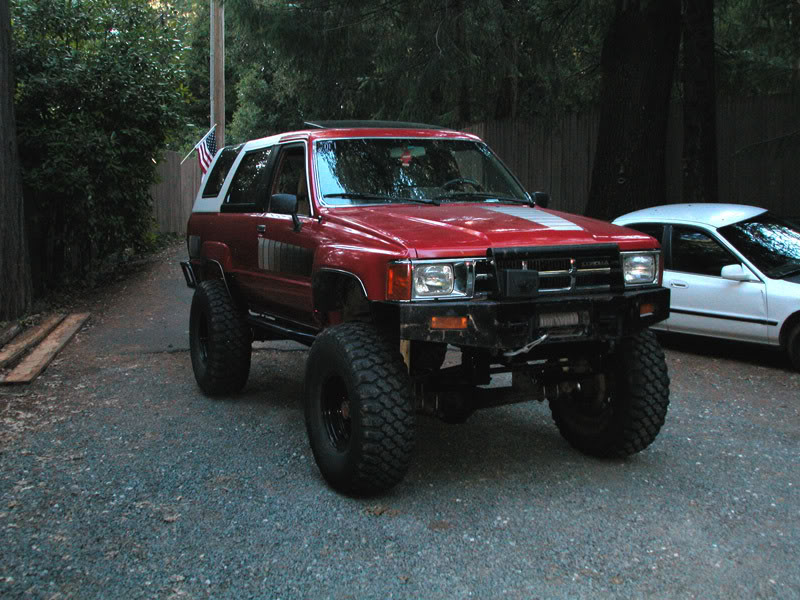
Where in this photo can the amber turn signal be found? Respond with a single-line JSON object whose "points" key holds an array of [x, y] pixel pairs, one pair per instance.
{"points": [[645, 310], [449, 322], [398, 282]]}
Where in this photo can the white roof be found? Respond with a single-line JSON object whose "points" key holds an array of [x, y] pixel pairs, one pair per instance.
{"points": [[711, 214]]}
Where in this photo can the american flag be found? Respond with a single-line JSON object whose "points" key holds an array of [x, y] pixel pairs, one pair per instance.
{"points": [[206, 149]]}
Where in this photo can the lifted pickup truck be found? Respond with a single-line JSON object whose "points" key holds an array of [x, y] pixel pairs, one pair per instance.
{"points": [[380, 245]]}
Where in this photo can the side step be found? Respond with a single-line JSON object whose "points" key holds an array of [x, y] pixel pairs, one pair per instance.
{"points": [[281, 329]]}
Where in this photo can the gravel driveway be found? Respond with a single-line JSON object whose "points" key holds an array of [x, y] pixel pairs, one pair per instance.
{"points": [[120, 480]]}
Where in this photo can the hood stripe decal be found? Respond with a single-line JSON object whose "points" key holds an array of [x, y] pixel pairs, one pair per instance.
{"points": [[534, 215]]}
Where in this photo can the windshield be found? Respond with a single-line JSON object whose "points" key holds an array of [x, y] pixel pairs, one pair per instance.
{"points": [[381, 170], [771, 243]]}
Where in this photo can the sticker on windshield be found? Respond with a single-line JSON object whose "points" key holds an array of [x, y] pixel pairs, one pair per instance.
{"points": [[536, 216], [406, 154]]}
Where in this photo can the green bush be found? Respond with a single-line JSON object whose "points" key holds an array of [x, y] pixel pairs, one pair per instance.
{"points": [[97, 92]]}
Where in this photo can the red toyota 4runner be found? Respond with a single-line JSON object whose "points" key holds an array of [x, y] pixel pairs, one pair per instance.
{"points": [[380, 245]]}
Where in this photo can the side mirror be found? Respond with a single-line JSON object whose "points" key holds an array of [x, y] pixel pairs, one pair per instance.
{"points": [[285, 204], [737, 273], [541, 199]]}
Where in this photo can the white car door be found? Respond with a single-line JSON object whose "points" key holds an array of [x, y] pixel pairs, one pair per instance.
{"points": [[704, 303]]}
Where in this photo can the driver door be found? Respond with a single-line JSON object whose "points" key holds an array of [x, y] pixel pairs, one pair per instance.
{"points": [[285, 254], [702, 301]]}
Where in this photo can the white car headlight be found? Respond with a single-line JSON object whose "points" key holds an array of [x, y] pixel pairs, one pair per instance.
{"points": [[640, 268], [433, 280]]}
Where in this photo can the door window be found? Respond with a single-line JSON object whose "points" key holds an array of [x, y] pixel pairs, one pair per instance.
{"points": [[694, 251], [249, 186], [290, 177]]}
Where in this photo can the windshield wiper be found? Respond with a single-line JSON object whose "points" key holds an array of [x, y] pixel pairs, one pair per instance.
{"points": [[785, 271], [481, 197], [385, 198]]}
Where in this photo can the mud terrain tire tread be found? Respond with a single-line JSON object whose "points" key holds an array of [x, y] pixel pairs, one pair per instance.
{"points": [[228, 345], [639, 403], [383, 418]]}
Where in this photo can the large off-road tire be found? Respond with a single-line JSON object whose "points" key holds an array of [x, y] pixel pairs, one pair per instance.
{"points": [[220, 340], [359, 411], [793, 346], [625, 412]]}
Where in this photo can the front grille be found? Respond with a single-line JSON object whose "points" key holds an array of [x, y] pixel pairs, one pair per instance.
{"points": [[558, 269]]}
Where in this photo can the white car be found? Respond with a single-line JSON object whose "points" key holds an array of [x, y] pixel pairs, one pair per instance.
{"points": [[733, 271]]}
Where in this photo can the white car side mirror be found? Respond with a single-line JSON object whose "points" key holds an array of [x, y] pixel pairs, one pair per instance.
{"points": [[737, 273]]}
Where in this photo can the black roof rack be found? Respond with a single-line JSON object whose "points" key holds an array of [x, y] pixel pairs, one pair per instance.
{"points": [[368, 125]]}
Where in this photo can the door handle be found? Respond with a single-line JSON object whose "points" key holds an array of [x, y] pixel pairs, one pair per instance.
{"points": [[677, 283], [261, 228]]}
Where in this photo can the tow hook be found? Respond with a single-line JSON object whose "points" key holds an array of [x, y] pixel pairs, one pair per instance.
{"points": [[526, 348]]}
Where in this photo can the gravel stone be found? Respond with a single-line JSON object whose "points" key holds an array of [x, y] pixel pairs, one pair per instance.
{"points": [[119, 479]]}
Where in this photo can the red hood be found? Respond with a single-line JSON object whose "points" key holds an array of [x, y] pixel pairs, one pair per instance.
{"points": [[451, 230]]}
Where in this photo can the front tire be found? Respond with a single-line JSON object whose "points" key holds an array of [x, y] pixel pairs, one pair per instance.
{"points": [[220, 340], [626, 410], [358, 409], [793, 347]]}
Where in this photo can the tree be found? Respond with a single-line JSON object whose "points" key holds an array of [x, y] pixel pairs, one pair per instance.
{"points": [[637, 65], [699, 103], [98, 92], [463, 63], [758, 47], [15, 293]]}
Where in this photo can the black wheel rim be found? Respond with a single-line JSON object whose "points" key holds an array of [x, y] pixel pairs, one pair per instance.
{"points": [[586, 414], [336, 412]]}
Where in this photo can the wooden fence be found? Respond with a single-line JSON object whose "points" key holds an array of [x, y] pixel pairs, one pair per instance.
{"points": [[175, 191], [758, 143]]}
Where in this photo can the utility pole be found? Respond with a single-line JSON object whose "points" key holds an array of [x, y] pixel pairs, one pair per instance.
{"points": [[217, 69]]}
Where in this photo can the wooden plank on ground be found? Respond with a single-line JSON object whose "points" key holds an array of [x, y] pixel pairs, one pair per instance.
{"points": [[23, 342], [8, 333], [40, 357]]}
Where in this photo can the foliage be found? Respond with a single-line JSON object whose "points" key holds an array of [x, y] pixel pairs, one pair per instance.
{"points": [[463, 62], [452, 62], [98, 89], [758, 46]]}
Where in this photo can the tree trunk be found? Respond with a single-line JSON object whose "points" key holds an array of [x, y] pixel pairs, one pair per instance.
{"points": [[699, 103], [15, 291], [637, 64], [508, 90]]}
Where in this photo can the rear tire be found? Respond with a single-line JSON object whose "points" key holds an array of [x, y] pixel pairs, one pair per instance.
{"points": [[624, 415], [219, 339], [793, 347], [358, 409], [455, 407]]}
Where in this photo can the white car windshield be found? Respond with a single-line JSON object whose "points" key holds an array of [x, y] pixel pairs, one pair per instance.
{"points": [[383, 170], [771, 243]]}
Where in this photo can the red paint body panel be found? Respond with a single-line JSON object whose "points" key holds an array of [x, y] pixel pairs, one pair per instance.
{"points": [[362, 240], [468, 229]]}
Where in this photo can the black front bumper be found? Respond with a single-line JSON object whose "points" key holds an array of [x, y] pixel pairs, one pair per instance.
{"points": [[510, 325]]}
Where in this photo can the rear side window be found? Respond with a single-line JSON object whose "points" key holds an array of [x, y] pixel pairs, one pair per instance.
{"points": [[220, 171]]}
